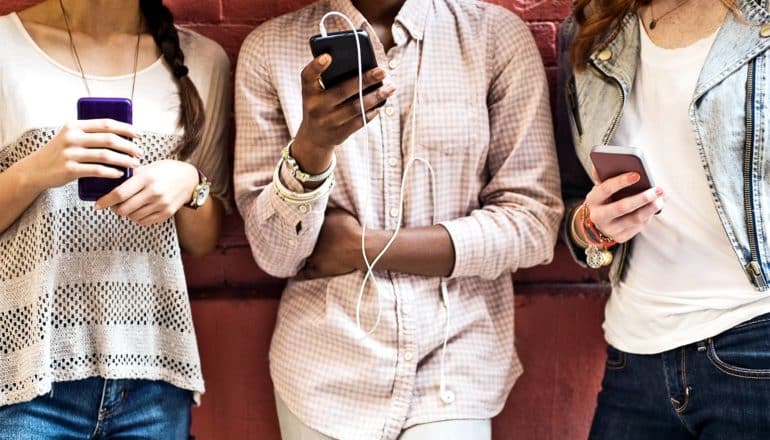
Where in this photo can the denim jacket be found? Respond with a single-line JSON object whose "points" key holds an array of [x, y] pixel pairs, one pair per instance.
{"points": [[729, 115]]}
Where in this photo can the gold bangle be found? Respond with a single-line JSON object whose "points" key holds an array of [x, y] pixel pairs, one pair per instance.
{"points": [[576, 236]]}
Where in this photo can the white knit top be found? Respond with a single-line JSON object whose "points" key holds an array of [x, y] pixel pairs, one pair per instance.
{"points": [[86, 293]]}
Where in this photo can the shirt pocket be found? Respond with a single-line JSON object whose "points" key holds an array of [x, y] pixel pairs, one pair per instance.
{"points": [[451, 125]]}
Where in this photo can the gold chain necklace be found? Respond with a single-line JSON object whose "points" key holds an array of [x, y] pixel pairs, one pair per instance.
{"points": [[77, 57], [654, 22]]}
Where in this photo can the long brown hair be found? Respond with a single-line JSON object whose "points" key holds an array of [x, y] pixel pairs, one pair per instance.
{"points": [[603, 23], [192, 116]]}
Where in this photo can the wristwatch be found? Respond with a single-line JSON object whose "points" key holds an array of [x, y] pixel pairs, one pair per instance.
{"points": [[300, 175], [201, 192]]}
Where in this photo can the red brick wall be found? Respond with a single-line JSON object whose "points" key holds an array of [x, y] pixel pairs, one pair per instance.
{"points": [[559, 307]]}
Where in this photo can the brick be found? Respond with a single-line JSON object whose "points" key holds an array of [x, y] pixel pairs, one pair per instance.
{"points": [[196, 11], [545, 38], [7, 6], [530, 10], [254, 12], [229, 36]]}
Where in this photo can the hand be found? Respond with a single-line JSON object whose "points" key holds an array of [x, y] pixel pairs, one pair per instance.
{"points": [[338, 249], [154, 194], [330, 116], [84, 149], [623, 219]]}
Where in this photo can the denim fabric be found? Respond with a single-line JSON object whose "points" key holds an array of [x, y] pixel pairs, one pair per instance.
{"points": [[591, 104], [101, 409], [711, 390]]}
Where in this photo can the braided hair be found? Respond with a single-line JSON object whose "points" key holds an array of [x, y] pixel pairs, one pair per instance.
{"points": [[192, 116]]}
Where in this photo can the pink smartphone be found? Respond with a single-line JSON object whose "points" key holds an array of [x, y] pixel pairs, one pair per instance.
{"points": [[611, 161]]}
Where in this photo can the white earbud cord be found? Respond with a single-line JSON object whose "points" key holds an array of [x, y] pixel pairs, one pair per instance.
{"points": [[445, 395]]}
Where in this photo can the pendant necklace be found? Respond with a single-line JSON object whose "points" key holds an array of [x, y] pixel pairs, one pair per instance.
{"points": [[77, 57], [654, 21]]}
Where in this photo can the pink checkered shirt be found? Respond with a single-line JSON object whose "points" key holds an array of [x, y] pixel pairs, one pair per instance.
{"points": [[483, 122]]}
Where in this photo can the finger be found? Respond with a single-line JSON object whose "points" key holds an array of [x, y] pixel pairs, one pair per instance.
{"points": [[312, 72], [109, 141], [632, 203], [107, 126], [125, 191], [103, 156], [144, 212], [96, 170], [140, 202], [595, 175], [372, 100], [348, 88], [153, 219], [356, 124], [635, 221], [603, 191]]}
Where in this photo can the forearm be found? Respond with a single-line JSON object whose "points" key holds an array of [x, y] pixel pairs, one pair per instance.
{"points": [[199, 229], [426, 251], [18, 189]]}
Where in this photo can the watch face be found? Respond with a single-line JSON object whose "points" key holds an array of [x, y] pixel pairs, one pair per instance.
{"points": [[203, 194]]}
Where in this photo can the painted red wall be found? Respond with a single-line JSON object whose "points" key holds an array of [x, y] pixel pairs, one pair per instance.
{"points": [[559, 307]]}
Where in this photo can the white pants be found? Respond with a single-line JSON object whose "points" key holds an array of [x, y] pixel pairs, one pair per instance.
{"points": [[466, 429]]}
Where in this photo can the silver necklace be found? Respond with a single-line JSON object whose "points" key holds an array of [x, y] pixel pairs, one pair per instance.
{"points": [[77, 57]]}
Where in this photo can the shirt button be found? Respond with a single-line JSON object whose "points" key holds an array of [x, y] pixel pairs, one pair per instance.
{"points": [[394, 212], [605, 55], [408, 356], [405, 310], [393, 162], [304, 209], [392, 64], [764, 31], [390, 111]]}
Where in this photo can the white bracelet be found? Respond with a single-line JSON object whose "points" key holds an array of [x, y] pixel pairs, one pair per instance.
{"points": [[296, 198], [301, 175]]}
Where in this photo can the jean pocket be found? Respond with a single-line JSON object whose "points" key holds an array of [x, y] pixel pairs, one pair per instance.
{"points": [[744, 350], [616, 359]]}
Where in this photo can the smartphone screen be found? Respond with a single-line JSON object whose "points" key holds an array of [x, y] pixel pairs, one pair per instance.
{"points": [[119, 109]]}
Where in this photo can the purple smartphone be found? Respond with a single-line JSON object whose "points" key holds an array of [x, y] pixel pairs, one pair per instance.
{"points": [[119, 109]]}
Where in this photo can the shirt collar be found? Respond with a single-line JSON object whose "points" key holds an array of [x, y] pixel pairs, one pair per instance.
{"points": [[412, 16]]}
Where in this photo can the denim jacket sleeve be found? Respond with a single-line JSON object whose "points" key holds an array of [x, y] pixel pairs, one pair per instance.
{"points": [[575, 181]]}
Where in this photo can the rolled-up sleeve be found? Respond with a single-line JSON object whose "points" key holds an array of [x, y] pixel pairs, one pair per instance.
{"points": [[281, 234], [517, 223]]}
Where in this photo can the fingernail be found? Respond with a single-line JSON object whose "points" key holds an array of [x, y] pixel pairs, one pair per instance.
{"points": [[659, 192], [98, 207], [141, 153], [325, 59], [388, 90], [378, 74], [634, 177]]}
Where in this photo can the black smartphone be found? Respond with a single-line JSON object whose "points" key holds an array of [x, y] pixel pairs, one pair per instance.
{"points": [[611, 161], [343, 50], [120, 109]]}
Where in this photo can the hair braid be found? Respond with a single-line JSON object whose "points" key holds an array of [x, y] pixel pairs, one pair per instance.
{"points": [[192, 116]]}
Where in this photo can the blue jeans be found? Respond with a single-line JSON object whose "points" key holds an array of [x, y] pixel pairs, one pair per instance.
{"points": [[714, 389], [101, 409]]}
